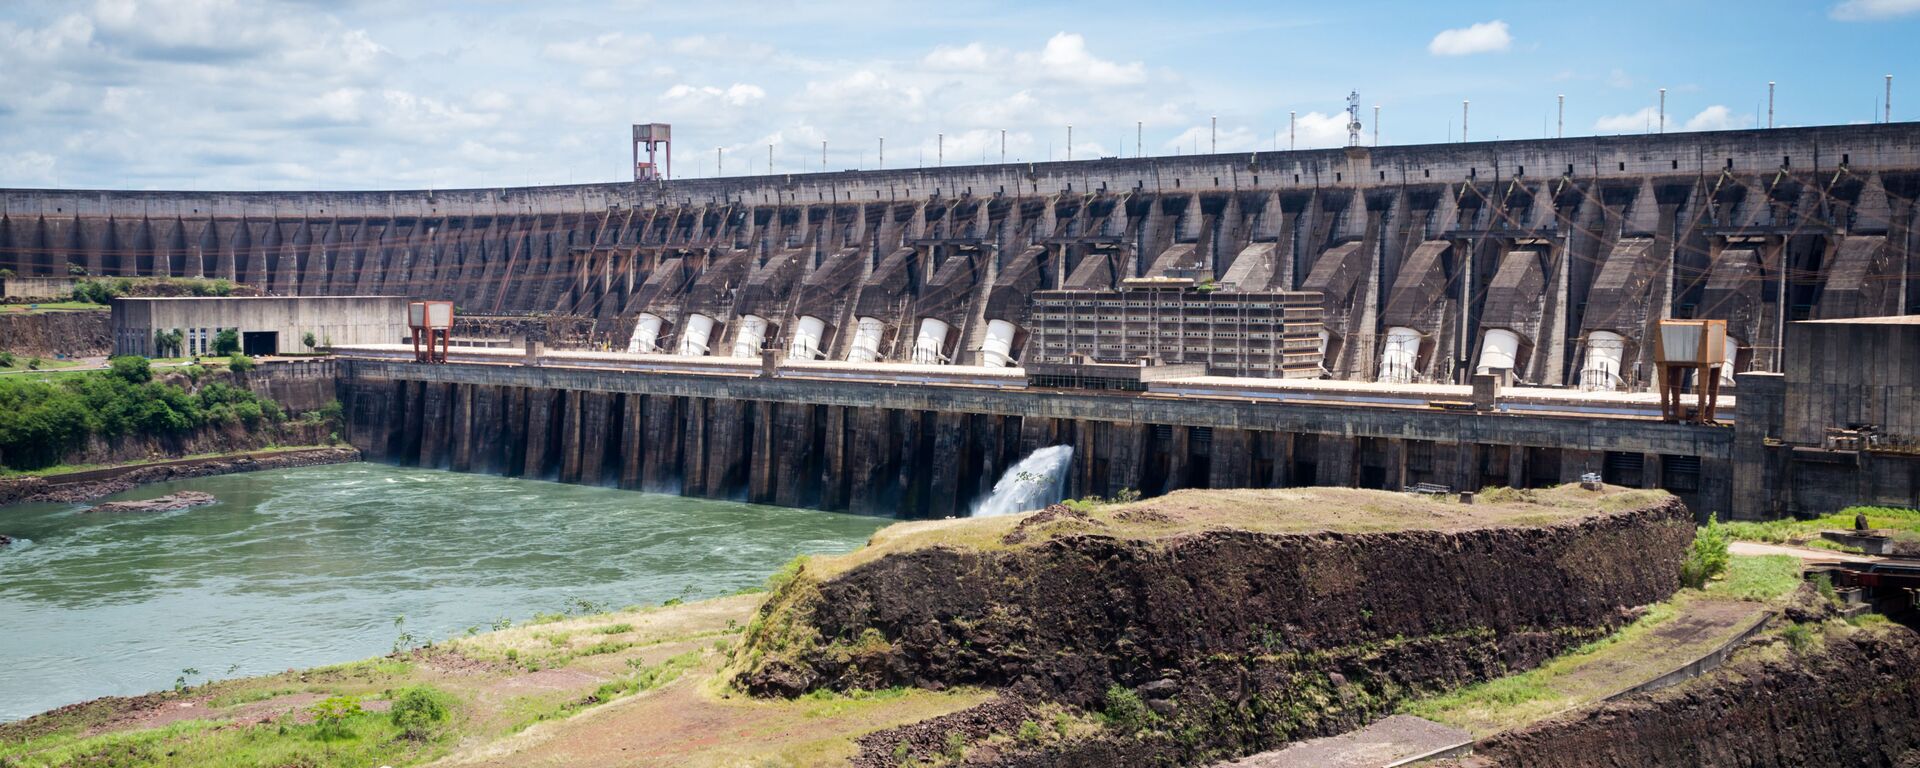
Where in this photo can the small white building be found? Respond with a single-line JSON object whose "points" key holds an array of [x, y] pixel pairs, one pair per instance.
{"points": [[266, 325]]}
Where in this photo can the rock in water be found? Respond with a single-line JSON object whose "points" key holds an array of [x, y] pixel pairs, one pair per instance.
{"points": [[167, 503], [5, 540]]}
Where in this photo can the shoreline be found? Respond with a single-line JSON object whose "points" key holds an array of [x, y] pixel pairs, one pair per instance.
{"points": [[89, 484]]}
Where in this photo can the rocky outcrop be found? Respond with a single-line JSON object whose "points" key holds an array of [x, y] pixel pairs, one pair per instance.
{"points": [[46, 334], [1853, 701], [1235, 641], [211, 439], [172, 502], [97, 483]]}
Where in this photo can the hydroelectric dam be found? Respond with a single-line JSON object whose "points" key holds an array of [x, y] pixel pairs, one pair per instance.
{"points": [[1459, 316]]}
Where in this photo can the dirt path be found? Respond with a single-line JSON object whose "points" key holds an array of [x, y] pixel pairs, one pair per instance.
{"points": [[693, 722], [1804, 553]]}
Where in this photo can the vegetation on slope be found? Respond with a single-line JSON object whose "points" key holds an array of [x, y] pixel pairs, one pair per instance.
{"points": [[505, 697], [40, 421], [1900, 523], [1666, 635]]}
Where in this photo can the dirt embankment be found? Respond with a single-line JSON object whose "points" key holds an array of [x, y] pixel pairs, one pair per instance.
{"points": [[46, 334], [1855, 701], [97, 483], [1234, 641]]}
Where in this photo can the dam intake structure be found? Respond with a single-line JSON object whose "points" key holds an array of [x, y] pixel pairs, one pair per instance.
{"points": [[1547, 261]]}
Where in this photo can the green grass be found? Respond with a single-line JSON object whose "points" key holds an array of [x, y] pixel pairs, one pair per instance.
{"points": [[46, 364], [1598, 669], [51, 306], [1760, 579], [1900, 521], [1506, 702], [371, 739]]}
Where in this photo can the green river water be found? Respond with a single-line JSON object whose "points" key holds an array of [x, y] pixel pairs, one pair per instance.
{"points": [[301, 567]]}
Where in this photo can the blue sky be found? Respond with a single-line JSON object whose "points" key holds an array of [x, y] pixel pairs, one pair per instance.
{"points": [[312, 94]]}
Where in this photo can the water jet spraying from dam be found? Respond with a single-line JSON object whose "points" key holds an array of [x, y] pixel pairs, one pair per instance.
{"points": [[1032, 483]]}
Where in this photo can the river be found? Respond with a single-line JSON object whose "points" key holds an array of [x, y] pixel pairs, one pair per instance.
{"points": [[310, 566]]}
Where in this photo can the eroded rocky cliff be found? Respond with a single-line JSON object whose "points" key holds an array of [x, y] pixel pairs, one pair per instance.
{"points": [[1234, 640], [1854, 699]]}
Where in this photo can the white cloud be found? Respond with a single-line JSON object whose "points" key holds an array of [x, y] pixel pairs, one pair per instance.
{"points": [[1484, 37], [1066, 57], [1642, 121], [28, 169], [1321, 130], [296, 94], [610, 49], [972, 57], [718, 47], [1202, 139], [1868, 10], [863, 90], [736, 95], [1714, 118]]}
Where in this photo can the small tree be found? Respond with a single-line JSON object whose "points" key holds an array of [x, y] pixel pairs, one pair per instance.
{"points": [[226, 342], [131, 369], [309, 341], [332, 716], [418, 712], [239, 363], [1707, 557], [168, 343]]}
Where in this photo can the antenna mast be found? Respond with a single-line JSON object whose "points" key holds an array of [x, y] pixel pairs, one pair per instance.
{"points": [[1353, 119]]}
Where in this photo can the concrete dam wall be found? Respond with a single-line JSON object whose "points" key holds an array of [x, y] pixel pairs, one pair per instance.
{"points": [[930, 451], [1568, 250]]}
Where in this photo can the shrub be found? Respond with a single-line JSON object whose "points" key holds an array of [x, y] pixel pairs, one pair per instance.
{"points": [[1799, 637], [226, 342], [1125, 711], [131, 369], [99, 291], [41, 420], [418, 712], [33, 363], [6, 359], [1030, 732], [1824, 585], [1707, 557], [239, 363], [332, 717]]}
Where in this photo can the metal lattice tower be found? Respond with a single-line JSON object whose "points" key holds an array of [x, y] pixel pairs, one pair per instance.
{"points": [[1353, 119]]}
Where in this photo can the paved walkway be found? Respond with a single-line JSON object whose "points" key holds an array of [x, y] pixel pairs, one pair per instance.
{"points": [[1397, 740]]}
